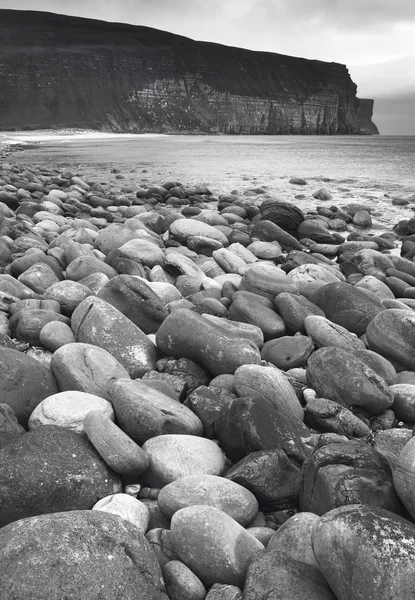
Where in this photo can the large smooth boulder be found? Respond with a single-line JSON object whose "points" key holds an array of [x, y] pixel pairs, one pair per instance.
{"points": [[347, 473], [173, 456], [233, 499], [117, 449], [143, 412], [78, 555], [268, 383], [325, 333], [294, 537], [51, 469], [69, 409], [213, 545], [248, 425], [348, 306], [135, 299], [24, 382], [338, 375], [366, 552], [271, 476], [186, 334], [86, 368], [403, 476], [96, 322], [183, 229], [276, 575], [391, 334]]}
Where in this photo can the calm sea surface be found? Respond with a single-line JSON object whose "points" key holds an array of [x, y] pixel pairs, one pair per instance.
{"points": [[353, 166]]}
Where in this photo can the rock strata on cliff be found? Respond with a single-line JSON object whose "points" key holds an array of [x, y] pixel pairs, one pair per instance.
{"points": [[60, 71]]}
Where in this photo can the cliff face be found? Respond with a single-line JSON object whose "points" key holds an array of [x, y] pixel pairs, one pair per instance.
{"points": [[58, 71]]}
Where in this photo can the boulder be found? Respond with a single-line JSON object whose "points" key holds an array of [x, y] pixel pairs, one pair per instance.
{"points": [[348, 306], [338, 375], [330, 417], [185, 334], [181, 583], [213, 545], [96, 322], [136, 300], [173, 456], [233, 499], [276, 575], [294, 538], [391, 334], [288, 352], [127, 507], [118, 450], [294, 309], [69, 409], [144, 412], [39, 470], [247, 425], [271, 476], [324, 333], [66, 555], [366, 552], [270, 384], [24, 383], [339, 474], [85, 368]]}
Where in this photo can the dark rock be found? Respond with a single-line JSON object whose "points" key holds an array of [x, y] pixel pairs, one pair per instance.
{"points": [[271, 476], [10, 430], [294, 309], [66, 555], [246, 425], [338, 375], [136, 300], [24, 383], [366, 552], [328, 416], [347, 306], [347, 473], [275, 575], [39, 471], [288, 352], [391, 334], [287, 216]]}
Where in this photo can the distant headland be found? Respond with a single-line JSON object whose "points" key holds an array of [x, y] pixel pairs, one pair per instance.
{"points": [[66, 72]]}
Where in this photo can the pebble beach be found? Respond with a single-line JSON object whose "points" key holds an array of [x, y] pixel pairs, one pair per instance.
{"points": [[205, 393]]}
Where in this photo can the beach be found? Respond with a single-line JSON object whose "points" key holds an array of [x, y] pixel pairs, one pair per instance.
{"points": [[198, 363]]}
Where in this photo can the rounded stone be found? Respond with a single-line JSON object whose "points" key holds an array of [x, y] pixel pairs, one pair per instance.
{"points": [[85, 368], [99, 554], [117, 449], [173, 456], [68, 293], [185, 334], [51, 469], [270, 384], [213, 545], [366, 552], [294, 537], [144, 412], [128, 508], [348, 306], [69, 409], [288, 352], [96, 322], [338, 375], [403, 401], [233, 499], [325, 333], [391, 334], [53, 335], [403, 476], [24, 382], [181, 583]]}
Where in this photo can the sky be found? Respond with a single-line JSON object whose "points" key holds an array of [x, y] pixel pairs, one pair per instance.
{"points": [[374, 38]]}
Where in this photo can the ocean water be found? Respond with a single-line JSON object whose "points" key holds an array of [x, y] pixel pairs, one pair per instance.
{"points": [[369, 169]]}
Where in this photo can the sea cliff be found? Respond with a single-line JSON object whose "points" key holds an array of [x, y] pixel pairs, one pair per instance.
{"points": [[59, 71]]}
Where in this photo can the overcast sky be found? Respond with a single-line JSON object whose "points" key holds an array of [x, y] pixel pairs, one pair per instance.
{"points": [[374, 38]]}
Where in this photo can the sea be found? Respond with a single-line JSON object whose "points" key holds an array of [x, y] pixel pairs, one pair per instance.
{"points": [[369, 169]]}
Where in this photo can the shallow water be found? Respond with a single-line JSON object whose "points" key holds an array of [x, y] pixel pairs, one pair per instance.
{"points": [[366, 169]]}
